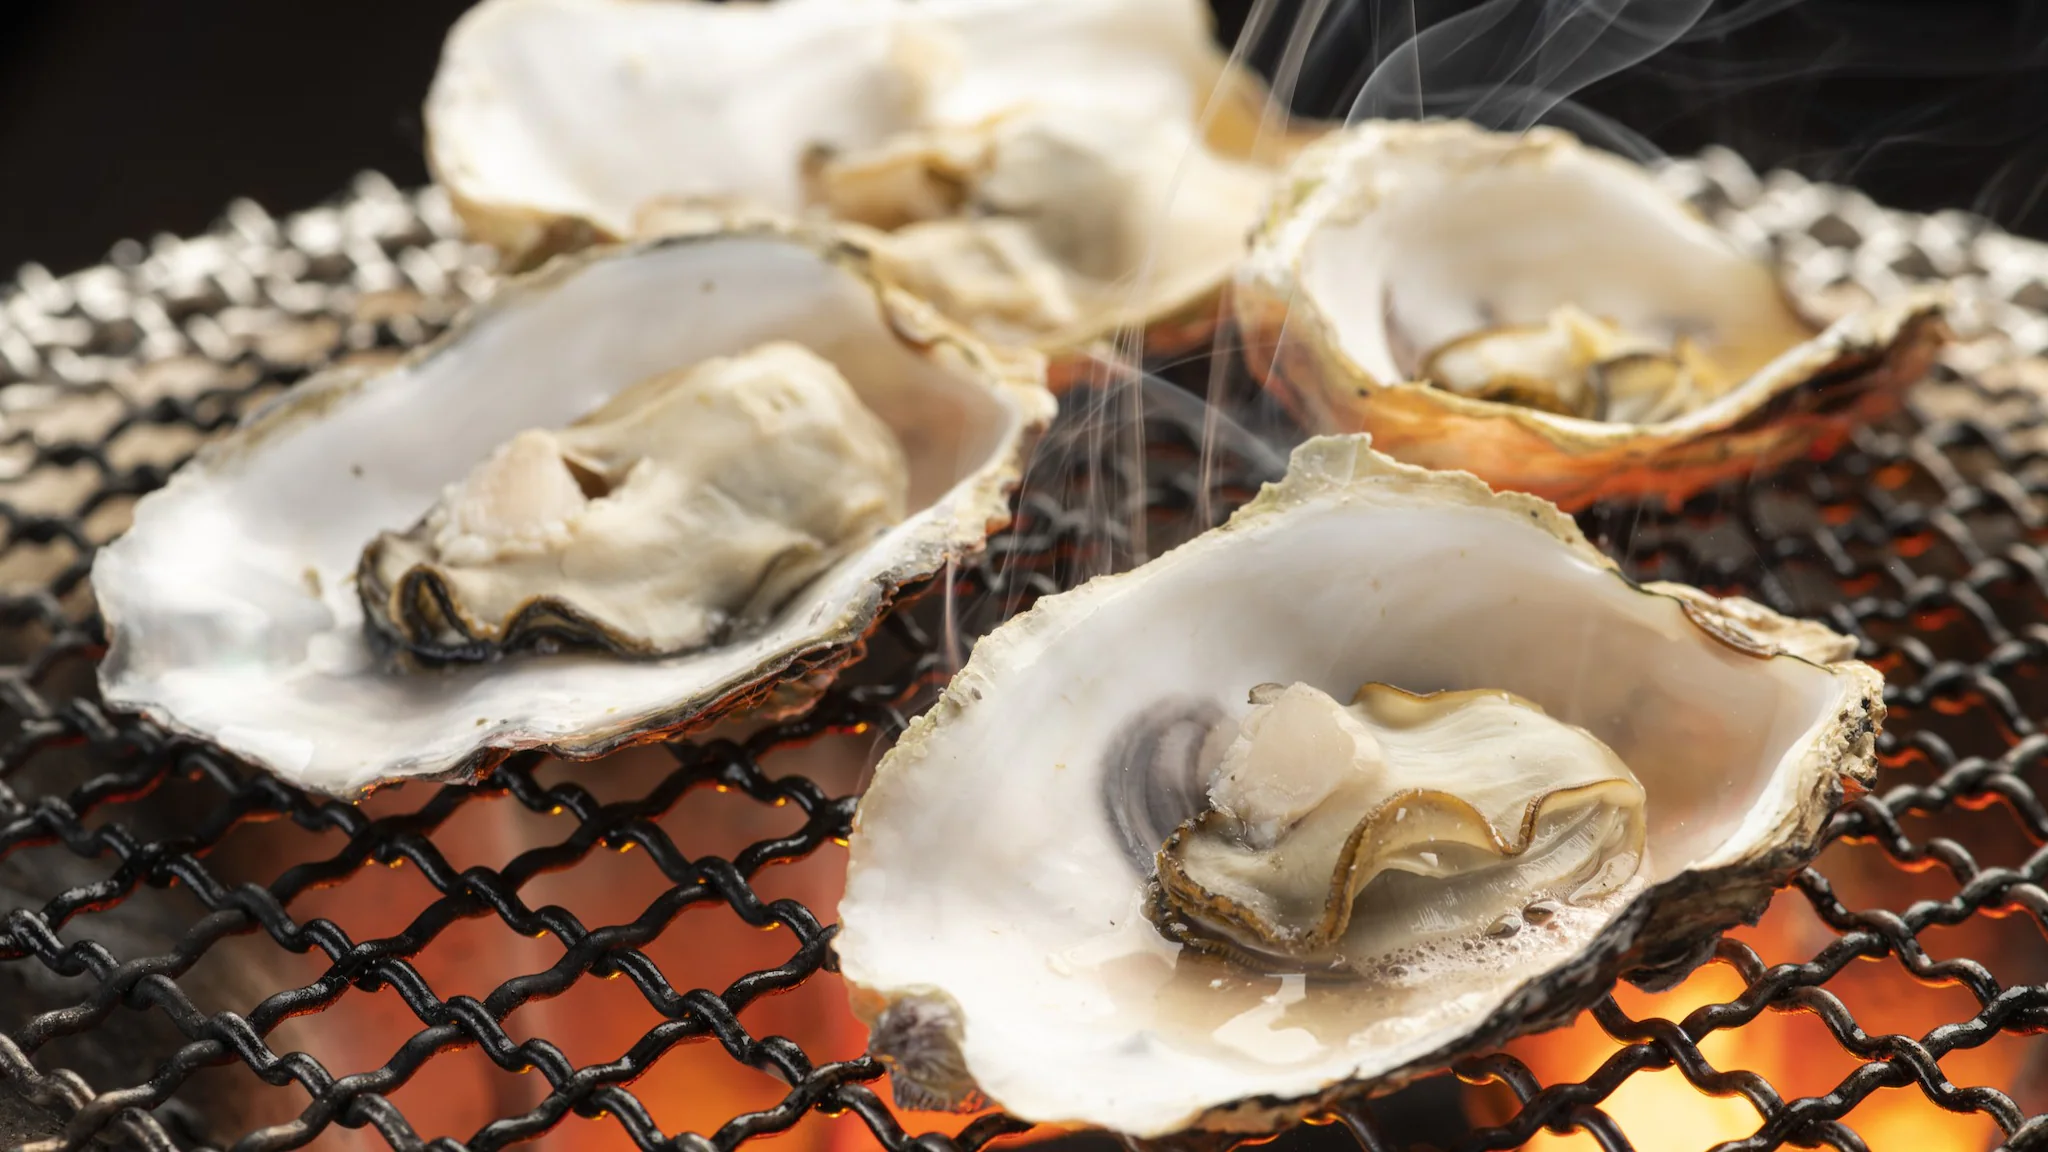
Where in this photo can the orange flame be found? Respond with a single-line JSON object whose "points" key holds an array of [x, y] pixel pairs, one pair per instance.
{"points": [[1792, 1048]]}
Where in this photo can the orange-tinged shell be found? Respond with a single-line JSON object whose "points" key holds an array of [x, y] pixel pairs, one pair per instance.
{"points": [[1855, 373], [1796, 397]]}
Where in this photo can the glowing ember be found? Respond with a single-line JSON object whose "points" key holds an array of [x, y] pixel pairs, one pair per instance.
{"points": [[1782, 1046], [1789, 1044]]}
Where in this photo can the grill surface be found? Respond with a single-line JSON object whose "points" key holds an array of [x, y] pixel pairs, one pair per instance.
{"points": [[118, 877]]}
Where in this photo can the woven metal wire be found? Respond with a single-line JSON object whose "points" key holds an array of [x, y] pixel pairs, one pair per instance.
{"points": [[124, 879]]}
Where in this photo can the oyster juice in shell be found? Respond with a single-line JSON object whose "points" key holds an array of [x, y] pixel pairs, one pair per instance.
{"points": [[1141, 868], [1547, 317], [1061, 168], [232, 601], [684, 511]]}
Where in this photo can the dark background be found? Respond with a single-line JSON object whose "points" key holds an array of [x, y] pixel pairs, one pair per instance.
{"points": [[123, 118]]}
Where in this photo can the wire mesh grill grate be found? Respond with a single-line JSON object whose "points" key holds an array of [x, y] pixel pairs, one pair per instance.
{"points": [[127, 883]]}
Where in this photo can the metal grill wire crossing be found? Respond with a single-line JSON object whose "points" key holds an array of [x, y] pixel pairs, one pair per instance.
{"points": [[118, 880]]}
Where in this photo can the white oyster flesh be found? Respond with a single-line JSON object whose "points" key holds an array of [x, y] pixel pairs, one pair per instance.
{"points": [[689, 506], [1033, 225], [232, 604], [1575, 365], [593, 110], [1418, 239], [1350, 838], [1002, 932]]}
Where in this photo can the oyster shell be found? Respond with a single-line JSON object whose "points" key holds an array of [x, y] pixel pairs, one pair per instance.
{"points": [[231, 601], [1547, 317], [1011, 928], [1060, 168]]}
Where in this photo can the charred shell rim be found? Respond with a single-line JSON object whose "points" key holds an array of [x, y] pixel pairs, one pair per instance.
{"points": [[1657, 938], [787, 677]]}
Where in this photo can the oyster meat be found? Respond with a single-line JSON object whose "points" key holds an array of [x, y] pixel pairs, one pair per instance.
{"points": [[1547, 317], [1034, 227], [1348, 838], [684, 511], [1048, 171], [722, 453], [1144, 868]]}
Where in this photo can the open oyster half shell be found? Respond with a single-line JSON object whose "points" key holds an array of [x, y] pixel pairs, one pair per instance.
{"points": [[1047, 172], [1003, 941], [1546, 316], [232, 602]]}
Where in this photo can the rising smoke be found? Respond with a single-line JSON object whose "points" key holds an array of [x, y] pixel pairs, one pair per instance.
{"points": [[1925, 104]]}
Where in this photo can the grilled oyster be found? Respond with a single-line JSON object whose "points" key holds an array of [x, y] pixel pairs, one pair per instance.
{"points": [[684, 511], [1342, 839], [1547, 317], [1140, 868], [234, 603], [1059, 169], [1053, 226]]}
